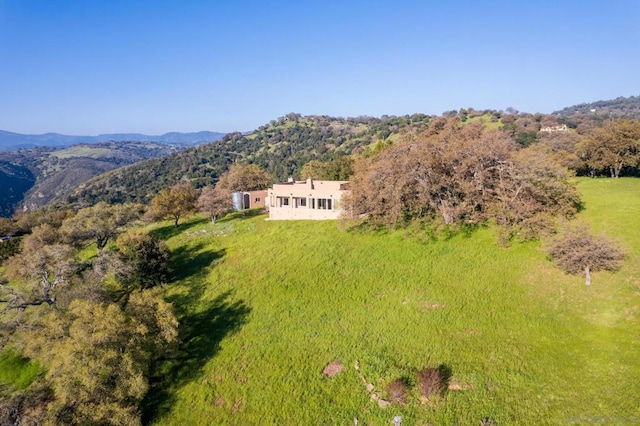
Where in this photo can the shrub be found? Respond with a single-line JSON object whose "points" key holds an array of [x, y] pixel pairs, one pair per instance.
{"points": [[431, 381], [397, 391]]}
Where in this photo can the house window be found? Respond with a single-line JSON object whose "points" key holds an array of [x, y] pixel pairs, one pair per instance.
{"points": [[282, 201], [299, 202], [257, 200], [324, 203]]}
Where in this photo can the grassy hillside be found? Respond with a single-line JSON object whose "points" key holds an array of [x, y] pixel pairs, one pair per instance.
{"points": [[266, 305]]}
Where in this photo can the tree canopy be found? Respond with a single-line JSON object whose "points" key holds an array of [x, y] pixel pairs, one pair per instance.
{"points": [[143, 261], [176, 202], [341, 168], [43, 272], [98, 356], [577, 251], [459, 175], [96, 347], [99, 223], [244, 178], [215, 202], [612, 147]]}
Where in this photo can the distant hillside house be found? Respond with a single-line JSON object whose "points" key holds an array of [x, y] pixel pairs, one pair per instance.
{"points": [[550, 129], [306, 200], [249, 199]]}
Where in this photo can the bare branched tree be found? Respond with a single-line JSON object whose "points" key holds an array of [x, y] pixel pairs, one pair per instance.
{"points": [[577, 251], [460, 175]]}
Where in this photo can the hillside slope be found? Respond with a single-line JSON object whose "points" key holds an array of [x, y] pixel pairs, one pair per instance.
{"points": [[34, 177], [282, 147], [266, 305], [618, 107], [15, 182]]}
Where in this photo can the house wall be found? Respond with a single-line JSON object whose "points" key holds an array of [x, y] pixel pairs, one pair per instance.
{"points": [[257, 198], [249, 199], [306, 200]]}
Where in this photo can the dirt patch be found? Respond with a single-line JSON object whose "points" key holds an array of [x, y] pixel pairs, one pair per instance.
{"points": [[455, 386], [237, 405], [332, 369], [435, 305]]}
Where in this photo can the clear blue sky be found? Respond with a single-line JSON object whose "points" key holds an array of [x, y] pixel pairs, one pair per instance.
{"points": [[92, 66]]}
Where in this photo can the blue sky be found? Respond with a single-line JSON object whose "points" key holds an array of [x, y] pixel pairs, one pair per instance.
{"points": [[92, 66]]}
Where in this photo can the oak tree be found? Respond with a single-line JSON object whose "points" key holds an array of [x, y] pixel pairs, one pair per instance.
{"points": [[244, 178], [612, 147], [340, 168], [97, 357], [577, 251], [99, 224], [42, 274], [176, 202], [458, 175], [143, 261], [215, 201]]}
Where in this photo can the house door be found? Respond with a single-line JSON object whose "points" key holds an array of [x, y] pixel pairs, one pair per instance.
{"points": [[246, 202]]}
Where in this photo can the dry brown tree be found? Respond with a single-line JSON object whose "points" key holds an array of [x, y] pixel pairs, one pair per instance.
{"points": [[215, 201], [242, 177], [577, 251], [612, 147], [459, 175]]}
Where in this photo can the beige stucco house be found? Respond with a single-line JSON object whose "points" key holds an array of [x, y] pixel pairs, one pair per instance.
{"points": [[309, 199]]}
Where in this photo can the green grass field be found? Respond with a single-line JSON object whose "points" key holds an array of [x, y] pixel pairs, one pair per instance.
{"points": [[264, 306], [486, 121], [82, 151]]}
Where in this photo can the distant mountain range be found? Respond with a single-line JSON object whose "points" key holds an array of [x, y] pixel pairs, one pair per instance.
{"points": [[10, 141]]}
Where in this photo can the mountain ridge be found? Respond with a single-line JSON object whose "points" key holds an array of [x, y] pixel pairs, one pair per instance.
{"points": [[11, 141], [32, 177], [623, 107]]}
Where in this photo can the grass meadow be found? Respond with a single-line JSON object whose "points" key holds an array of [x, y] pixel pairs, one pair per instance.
{"points": [[265, 306], [82, 151]]}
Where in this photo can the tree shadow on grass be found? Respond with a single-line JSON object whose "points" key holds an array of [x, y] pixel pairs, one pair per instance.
{"points": [[203, 325], [191, 263], [169, 231], [243, 214], [200, 335]]}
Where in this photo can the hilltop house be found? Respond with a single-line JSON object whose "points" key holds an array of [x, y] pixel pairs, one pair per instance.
{"points": [[551, 129], [308, 199]]}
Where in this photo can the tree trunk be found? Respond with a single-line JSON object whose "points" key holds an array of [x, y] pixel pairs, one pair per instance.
{"points": [[587, 275], [175, 222]]}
